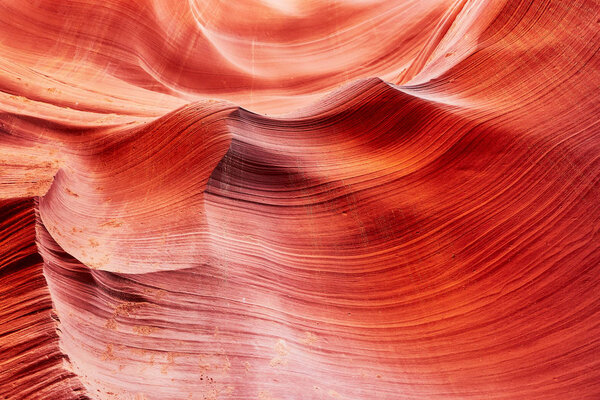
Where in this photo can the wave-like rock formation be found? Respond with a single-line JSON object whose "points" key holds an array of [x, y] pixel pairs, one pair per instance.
{"points": [[285, 199]]}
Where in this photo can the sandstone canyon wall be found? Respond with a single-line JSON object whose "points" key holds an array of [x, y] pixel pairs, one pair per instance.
{"points": [[289, 199]]}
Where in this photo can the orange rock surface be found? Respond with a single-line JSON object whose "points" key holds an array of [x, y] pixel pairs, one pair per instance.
{"points": [[285, 199]]}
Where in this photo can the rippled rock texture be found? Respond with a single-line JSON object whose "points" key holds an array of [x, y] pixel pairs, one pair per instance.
{"points": [[289, 199]]}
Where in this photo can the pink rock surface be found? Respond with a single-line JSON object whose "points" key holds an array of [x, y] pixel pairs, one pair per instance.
{"points": [[300, 199]]}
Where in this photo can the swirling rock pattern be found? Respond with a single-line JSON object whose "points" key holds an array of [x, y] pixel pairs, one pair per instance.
{"points": [[300, 199]]}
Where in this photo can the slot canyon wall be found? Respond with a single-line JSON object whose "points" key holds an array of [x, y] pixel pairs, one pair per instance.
{"points": [[300, 199]]}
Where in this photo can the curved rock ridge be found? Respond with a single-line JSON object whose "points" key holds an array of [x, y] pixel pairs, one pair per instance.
{"points": [[211, 48], [330, 200], [146, 211]]}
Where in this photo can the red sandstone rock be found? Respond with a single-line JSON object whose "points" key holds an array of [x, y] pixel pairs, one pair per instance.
{"points": [[421, 223]]}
